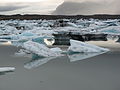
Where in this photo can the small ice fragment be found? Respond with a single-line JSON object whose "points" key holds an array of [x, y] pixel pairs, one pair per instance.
{"points": [[6, 69], [40, 49]]}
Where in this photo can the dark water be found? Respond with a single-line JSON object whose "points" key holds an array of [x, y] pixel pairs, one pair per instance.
{"points": [[101, 72]]}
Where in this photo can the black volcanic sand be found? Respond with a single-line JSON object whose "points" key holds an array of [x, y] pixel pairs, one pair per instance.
{"points": [[101, 72], [54, 17]]}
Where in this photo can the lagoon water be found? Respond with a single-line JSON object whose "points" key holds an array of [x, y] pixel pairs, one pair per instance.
{"points": [[101, 72]]}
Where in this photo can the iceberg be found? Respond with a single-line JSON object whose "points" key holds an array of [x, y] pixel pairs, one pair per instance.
{"points": [[72, 24], [39, 40], [5, 42], [40, 49], [112, 37], [28, 34], [44, 40], [56, 49], [78, 47], [113, 30], [23, 53], [6, 69], [59, 50]]}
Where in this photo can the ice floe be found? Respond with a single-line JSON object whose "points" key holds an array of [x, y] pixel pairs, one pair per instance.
{"points": [[113, 30], [78, 46], [40, 49], [6, 69]]}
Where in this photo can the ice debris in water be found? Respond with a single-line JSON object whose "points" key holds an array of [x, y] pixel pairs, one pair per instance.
{"points": [[23, 52], [40, 49], [78, 46], [48, 27], [6, 69], [56, 49], [114, 30]]}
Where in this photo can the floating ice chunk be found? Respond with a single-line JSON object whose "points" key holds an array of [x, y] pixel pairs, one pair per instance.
{"points": [[5, 42], [56, 49], [112, 37], [72, 24], [115, 30], [40, 49], [44, 40], [27, 34], [42, 32], [78, 46], [82, 56], [6, 69], [66, 29], [23, 53], [39, 40], [6, 37]]}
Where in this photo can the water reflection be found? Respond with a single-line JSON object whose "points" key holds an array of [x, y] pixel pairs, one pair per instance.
{"points": [[37, 61], [4, 73], [112, 37], [82, 56]]}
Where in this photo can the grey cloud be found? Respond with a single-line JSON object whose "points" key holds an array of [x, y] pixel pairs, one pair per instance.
{"points": [[11, 6], [87, 8]]}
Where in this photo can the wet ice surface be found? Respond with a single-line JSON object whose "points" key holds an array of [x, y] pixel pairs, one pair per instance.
{"points": [[63, 73]]}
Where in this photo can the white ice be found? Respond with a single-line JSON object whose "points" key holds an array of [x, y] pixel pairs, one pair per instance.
{"points": [[6, 69], [56, 49], [40, 49], [114, 30], [78, 46]]}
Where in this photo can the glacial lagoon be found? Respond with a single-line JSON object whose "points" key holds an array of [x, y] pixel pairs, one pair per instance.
{"points": [[69, 72]]}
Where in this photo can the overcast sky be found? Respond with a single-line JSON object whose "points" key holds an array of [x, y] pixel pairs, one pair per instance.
{"points": [[63, 7]]}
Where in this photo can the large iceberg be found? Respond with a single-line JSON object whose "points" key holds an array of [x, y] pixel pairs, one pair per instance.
{"points": [[78, 46], [40, 49]]}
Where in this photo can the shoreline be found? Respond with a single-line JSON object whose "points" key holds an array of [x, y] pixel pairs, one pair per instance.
{"points": [[53, 17]]}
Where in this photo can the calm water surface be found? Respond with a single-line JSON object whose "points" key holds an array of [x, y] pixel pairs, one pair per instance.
{"points": [[101, 72]]}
